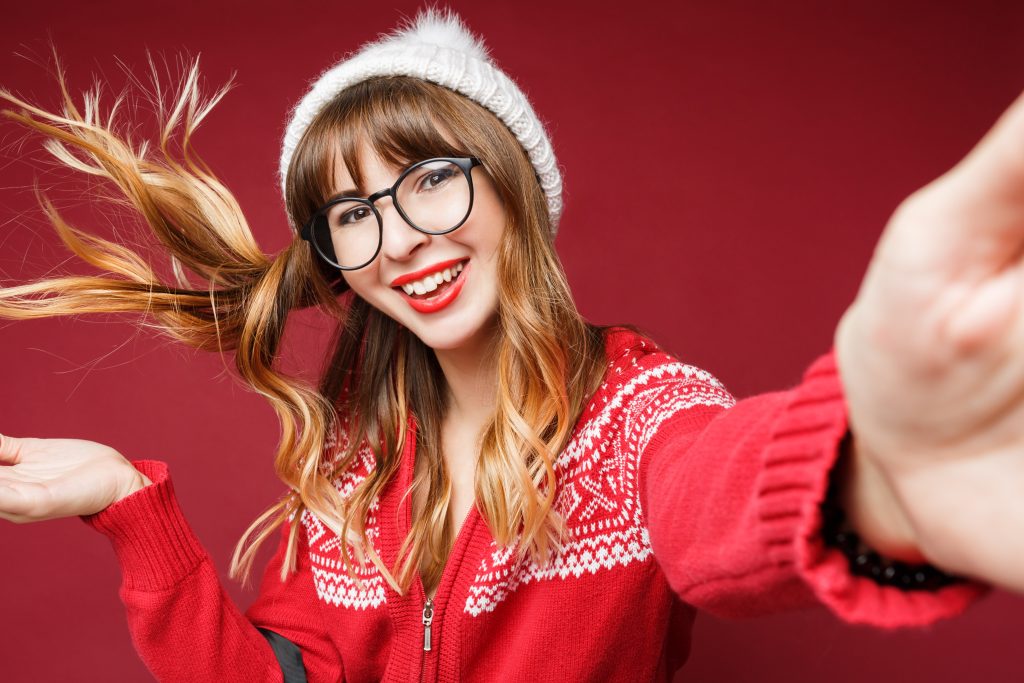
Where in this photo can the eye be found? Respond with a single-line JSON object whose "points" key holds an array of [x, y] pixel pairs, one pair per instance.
{"points": [[352, 216], [436, 178]]}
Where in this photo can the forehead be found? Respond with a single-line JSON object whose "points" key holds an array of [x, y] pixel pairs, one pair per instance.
{"points": [[364, 170], [368, 170]]}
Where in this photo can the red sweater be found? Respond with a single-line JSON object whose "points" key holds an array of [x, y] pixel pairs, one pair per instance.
{"points": [[678, 499]]}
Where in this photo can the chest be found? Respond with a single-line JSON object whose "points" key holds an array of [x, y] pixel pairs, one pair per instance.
{"points": [[597, 496], [459, 504], [459, 454]]}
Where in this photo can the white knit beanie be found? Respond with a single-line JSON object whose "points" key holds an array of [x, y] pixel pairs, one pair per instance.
{"points": [[437, 47]]}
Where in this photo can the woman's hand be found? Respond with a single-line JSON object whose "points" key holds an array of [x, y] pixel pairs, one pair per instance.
{"points": [[931, 355], [49, 478]]}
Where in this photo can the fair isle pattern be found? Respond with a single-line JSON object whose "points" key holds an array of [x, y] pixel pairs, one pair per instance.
{"points": [[597, 474], [333, 584]]}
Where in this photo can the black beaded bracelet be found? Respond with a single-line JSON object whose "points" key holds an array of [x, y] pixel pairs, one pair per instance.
{"points": [[864, 561]]}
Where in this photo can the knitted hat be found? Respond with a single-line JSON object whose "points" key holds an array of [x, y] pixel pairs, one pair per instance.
{"points": [[437, 47]]}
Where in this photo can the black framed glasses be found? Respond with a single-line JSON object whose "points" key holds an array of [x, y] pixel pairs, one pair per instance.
{"points": [[434, 196]]}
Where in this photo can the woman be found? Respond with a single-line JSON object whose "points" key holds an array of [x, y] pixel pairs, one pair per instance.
{"points": [[504, 474]]}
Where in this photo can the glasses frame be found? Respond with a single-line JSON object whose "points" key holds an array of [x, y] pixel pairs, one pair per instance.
{"points": [[467, 164]]}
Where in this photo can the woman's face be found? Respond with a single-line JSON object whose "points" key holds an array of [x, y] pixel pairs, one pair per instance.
{"points": [[464, 304]]}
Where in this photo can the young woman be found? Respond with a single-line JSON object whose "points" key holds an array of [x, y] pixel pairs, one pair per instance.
{"points": [[486, 487]]}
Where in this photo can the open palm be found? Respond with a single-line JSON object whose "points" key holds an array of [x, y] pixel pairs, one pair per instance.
{"points": [[931, 355], [48, 478]]}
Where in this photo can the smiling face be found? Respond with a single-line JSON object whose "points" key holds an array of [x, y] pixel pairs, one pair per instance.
{"points": [[463, 307]]}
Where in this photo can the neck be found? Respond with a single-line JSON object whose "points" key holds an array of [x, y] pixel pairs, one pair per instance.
{"points": [[471, 373]]}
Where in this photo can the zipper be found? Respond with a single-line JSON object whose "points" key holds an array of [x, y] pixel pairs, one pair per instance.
{"points": [[428, 618], [428, 671], [428, 663]]}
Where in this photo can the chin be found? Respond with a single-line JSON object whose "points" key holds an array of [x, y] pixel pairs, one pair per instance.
{"points": [[455, 332], [445, 340], [464, 323]]}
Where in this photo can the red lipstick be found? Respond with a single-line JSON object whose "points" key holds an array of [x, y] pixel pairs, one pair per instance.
{"points": [[436, 303], [416, 275]]}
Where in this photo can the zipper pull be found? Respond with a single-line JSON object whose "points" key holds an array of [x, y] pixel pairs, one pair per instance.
{"points": [[428, 618]]}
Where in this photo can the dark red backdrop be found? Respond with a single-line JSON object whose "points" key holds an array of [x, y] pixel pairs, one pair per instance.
{"points": [[729, 167]]}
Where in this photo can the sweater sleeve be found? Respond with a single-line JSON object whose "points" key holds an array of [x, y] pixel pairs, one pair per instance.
{"points": [[182, 623], [730, 492]]}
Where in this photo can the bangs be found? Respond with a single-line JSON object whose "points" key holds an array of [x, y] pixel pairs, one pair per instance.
{"points": [[396, 117]]}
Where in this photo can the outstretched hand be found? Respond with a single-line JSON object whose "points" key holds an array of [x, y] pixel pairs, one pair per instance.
{"points": [[931, 355], [49, 478]]}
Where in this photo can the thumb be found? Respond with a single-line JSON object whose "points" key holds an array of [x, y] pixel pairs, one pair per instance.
{"points": [[970, 221], [998, 158], [12, 504], [986, 190], [11, 449]]}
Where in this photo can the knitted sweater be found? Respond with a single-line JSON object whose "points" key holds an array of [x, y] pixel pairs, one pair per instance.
{"points": [[678, 498]]}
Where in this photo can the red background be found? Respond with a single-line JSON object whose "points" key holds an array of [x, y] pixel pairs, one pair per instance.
{"points": [[729, 167]]}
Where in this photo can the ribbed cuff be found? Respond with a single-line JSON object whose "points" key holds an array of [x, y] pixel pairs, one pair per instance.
{"points": [[803, 449], [153, 542]]}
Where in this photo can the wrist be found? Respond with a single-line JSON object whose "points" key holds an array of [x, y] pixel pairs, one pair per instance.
{"points": [[893, 560], [871, 507], [132, 482]]}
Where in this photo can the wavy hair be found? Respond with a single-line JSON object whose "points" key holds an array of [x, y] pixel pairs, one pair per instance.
{"points": [[549, 359]]}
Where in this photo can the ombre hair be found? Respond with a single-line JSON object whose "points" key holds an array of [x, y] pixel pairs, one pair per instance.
{"points": [[550, 360]]}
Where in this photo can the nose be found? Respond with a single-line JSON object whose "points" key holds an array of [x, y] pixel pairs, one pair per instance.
{"points": [[400, 240]]}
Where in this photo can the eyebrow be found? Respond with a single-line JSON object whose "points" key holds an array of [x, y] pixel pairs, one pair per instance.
{"points": [[347, 194], [351, 193]]}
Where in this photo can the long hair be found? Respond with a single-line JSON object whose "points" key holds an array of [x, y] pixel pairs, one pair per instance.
{"points": [[549, 359]]}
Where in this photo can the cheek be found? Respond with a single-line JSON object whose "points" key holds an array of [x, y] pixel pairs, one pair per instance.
{"points": [[494, 239], [366, 286], [488, 231], [362, 283]]}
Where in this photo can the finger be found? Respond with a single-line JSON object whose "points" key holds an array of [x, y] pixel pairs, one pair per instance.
{"points": [[998, 158], [22, 499], [10, 449], [17, 519], [969, 223], [7, 500]]}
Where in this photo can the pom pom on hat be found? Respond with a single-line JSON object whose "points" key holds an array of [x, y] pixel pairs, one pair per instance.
{"points": [[441, 28], [436, 46]]}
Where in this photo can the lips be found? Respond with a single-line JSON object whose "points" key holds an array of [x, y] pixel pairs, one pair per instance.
{"points": [[442, 300], [422, 273]]}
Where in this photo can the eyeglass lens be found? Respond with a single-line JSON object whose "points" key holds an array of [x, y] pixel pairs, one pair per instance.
{"points": [[435, 197]]}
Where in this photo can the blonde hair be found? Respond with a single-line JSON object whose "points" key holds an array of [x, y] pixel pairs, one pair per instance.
{"points": [[550, 360]]}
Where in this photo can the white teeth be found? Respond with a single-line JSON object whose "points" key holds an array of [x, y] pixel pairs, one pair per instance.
{"points": [[430, 282]]}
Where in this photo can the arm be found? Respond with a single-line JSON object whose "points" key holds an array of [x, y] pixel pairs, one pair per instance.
{"points": [[731, 494], [182, 623]]}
